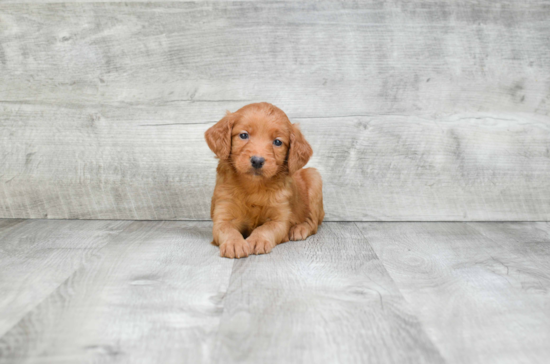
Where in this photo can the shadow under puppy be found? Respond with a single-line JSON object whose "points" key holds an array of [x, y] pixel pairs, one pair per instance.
{"points": [[262, 193]]}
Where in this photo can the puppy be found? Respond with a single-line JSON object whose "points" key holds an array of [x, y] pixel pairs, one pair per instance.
{"points": [[262, 193]]}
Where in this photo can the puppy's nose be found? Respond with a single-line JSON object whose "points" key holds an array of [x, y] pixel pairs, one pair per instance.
{"points": [[257, 162]]}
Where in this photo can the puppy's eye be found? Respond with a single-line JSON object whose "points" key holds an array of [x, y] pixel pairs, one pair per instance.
{"points": [[243, 136], [277, 142]]}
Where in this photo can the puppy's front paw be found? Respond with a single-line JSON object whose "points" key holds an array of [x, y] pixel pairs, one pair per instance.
{"points": [[235, 248], [259, 244], [299, 232]]}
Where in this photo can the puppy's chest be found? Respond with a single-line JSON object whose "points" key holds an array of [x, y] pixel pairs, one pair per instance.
{"points": [[265, 207], [256, 205]]}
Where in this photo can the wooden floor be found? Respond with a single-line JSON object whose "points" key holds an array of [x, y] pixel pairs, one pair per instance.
{"points": [[76, 291]]}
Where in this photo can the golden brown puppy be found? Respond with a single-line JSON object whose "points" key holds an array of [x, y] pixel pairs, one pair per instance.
{"points": [[261, 193]]}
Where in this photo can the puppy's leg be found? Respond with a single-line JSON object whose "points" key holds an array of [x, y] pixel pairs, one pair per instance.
{"points": [[300, 231], [230, 240], [311, 179], [264, 238]]}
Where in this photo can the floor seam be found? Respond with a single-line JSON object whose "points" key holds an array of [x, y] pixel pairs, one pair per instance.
{"points": [[47, 296], [216, 343], [413, 311]]}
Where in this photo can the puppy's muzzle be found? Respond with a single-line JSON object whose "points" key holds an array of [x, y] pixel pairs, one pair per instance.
{"points": [[257, 162]]}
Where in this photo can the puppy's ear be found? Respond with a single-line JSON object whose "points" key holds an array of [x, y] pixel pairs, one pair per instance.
{"points": [[218, 136], [300, 150]]}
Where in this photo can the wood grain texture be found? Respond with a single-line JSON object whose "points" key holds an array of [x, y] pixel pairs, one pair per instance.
{"points": [[431, 111], [481, 290], [36, 257], [151, 295], [375, 168], [157, 292], [327, 299]]}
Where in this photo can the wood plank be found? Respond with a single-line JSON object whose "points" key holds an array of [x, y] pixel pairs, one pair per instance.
{"points": [[432, 112], [481, 290], [152, 295], [376, 168], [327, 299], [38, 256], [313, 58]]}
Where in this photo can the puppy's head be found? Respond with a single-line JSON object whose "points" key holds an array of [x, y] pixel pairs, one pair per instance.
{"points": [[259, 141]]}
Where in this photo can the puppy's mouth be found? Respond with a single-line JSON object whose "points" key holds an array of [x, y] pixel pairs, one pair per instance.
{"points": [[255, 172]]}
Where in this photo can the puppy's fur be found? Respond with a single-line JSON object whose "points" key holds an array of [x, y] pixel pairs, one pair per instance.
{"points": [[266, 205]]}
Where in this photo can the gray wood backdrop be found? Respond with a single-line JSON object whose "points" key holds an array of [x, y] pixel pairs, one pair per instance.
{"points": [[426, 110]]}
